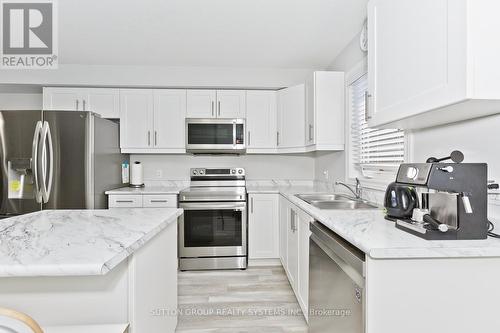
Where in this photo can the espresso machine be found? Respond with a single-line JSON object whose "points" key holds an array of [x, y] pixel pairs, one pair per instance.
{"points": [[451, 199]]}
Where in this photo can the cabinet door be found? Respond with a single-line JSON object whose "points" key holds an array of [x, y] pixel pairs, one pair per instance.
{"points": [[62, 99], [261, 119], [136, 118], [284, 212], [310, 110], [263, 226], [303, 275], [291, 117], [125, 201], [416, 57], [201, 103], [293, 249], [103, 101], [169, 118], [231, 104]]}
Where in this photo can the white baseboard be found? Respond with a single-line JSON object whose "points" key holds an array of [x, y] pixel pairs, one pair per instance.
{"points": [[264, 262]]}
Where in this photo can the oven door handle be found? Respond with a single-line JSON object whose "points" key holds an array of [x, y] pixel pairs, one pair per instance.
{"points": [[240, 206]]}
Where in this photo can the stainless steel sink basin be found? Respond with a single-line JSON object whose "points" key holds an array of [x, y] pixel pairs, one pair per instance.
{"points": [[335, 201], [350, 205], [309, 198]]}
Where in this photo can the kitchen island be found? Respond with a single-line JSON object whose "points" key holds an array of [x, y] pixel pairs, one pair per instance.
{"points": [[92, 267]]}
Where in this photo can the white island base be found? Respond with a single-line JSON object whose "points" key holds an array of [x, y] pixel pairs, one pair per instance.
{"points": [[140, 292]]}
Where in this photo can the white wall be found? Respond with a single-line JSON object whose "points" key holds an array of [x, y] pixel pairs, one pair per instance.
{"points": [[20, 98], [20, 101], [477, 138], [176, 167], [155, 76]]}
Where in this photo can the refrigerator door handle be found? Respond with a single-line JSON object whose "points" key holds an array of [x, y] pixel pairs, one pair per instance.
{"points": [[47, 185], [34, 161]]}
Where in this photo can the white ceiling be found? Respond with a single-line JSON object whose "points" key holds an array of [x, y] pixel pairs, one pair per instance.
{"points": [[219, 33]]}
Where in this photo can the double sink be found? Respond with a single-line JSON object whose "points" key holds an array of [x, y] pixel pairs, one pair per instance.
{"points": [[335, 201]]}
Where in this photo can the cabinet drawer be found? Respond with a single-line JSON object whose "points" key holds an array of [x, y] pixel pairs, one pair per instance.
{"points": [[125, 201], [159, 201]]}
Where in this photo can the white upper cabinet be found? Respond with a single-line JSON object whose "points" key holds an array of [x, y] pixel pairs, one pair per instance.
{"points": [[201, 103], [63, 99], [104, 101], [261, 121], [152, 120], [231, 104], [263, 226], [136, 118], [325, 109], [216, 103], [291, 118], [426, 69], [169, 119]]}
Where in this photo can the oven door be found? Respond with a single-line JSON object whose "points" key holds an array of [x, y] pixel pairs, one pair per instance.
{"points": [[213, 229], [215, 135]]}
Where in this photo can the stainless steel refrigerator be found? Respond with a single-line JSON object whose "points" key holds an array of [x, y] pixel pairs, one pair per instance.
{"points": [[57, 160]]}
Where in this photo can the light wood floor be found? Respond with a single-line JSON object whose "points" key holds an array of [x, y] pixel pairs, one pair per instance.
{"points": [[258, 299]]}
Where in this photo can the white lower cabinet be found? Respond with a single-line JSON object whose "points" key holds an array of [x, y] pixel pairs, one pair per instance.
{"points": [[284, 216], [263, 226], [294, 250], [142, 201], [302, 291], [125, 201]]}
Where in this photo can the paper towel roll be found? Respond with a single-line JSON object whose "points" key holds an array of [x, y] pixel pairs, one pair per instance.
{"points": [[136, 174]]}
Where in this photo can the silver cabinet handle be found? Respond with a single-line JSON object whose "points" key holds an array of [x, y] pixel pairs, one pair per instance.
{"points": [[159, 200], [310, 132], [149, 138], [248, 143], [367, 105], [218, 103], [251, 205], [156, 138], [125, 201], [83, 105], [277, 138], [77, 102], [212, 108]]}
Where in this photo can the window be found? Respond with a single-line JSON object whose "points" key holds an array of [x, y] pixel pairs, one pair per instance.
{"points": [[374, 153]]}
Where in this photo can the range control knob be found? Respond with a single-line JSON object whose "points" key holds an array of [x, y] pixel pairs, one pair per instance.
{"points": [[233, 171], [202, 172], [240, 171], [195, 172]]}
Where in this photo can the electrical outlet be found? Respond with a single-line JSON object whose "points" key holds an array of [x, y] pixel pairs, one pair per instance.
{"points": [[326, 174], [159, 173]]}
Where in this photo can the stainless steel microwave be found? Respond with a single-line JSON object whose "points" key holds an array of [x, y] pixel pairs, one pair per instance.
{"points": [[215, 136]]}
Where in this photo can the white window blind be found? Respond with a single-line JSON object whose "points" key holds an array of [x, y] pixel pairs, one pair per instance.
{"points": [[375, 152]]}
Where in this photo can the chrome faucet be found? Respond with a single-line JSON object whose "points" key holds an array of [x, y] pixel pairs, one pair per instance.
{"points": [[356, 191]]}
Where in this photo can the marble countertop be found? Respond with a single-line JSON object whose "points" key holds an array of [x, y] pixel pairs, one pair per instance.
{"points": [[148, 190], [377, 237], [76, 242]]}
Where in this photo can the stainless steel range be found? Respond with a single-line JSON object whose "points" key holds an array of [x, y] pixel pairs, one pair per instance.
{"points": [[213, 229]]}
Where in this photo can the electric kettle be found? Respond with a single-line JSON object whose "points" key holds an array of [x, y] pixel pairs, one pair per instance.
{"points": [[400, 200]]}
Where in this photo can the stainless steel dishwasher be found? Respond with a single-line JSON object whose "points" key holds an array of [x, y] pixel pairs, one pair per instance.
{"points": [[336, 283]]}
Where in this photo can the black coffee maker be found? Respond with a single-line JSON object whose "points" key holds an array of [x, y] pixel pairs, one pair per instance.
{"points": [[450, 199]]}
